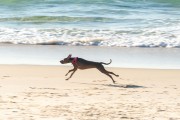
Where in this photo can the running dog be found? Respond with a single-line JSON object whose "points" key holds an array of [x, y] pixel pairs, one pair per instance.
{"points": [[82, 64]]}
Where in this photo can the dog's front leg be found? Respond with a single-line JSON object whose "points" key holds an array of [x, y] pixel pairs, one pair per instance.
{"points": [[70, 71], [74, 70]]}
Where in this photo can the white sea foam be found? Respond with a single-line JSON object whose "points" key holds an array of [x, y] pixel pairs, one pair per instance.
{"points": [[154, 37], [126, 23]]}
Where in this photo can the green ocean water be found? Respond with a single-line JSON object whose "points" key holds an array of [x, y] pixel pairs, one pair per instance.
{"points": [[124, 23]]}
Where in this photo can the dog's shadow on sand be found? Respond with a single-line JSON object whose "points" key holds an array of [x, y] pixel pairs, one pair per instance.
{"points": [[113, 85], [123, 86]]}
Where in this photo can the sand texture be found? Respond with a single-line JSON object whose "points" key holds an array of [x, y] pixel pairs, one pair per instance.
{"points": [[41, 92]]}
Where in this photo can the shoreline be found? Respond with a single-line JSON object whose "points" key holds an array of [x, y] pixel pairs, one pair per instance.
{"points": [[41, 92]]}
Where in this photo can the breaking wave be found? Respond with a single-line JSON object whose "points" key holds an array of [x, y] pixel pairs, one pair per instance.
{"points": [[96, 37]]}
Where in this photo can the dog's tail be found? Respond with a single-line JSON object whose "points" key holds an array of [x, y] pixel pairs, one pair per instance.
{"points": [[106, 63]]}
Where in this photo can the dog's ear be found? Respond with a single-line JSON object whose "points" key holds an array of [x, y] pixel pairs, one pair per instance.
{"points": [[69, 56]]}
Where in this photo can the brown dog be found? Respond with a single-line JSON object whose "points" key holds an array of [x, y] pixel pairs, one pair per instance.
{"points": [[80, 63]]}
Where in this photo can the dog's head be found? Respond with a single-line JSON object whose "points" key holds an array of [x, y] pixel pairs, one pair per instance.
{"points": [[66, 60]]}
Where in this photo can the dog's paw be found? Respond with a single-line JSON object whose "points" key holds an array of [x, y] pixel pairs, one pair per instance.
{"points": [[114, 82]]}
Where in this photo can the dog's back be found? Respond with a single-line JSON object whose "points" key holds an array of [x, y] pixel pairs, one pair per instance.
{"points": [[85, 64]]}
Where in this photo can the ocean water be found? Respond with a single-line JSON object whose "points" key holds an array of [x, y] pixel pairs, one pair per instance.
{"points": [[124, 23]]}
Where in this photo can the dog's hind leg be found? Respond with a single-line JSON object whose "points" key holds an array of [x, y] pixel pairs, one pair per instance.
{"points": [[109, 76], [102, 69], [113, 74]]}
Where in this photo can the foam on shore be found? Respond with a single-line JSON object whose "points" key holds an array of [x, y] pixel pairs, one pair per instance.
{"points": [[133, 37]]}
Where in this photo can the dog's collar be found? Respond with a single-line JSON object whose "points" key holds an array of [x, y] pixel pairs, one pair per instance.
{"points": [[74, 61]]}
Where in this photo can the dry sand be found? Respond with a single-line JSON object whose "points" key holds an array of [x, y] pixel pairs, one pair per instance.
{"points": [[40, 92]]}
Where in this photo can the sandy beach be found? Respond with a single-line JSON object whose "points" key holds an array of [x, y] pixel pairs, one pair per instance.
{"points": [[141, 37], [37, 92]]}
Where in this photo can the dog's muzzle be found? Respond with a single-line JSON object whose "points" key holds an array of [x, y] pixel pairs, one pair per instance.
{"points": [[61, 61]]}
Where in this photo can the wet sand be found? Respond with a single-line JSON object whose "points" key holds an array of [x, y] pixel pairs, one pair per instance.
{"points": [[158, 58]]}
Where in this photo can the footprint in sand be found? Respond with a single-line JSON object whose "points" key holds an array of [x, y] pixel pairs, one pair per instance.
{"points": [[5, 76], [43, 88]]}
